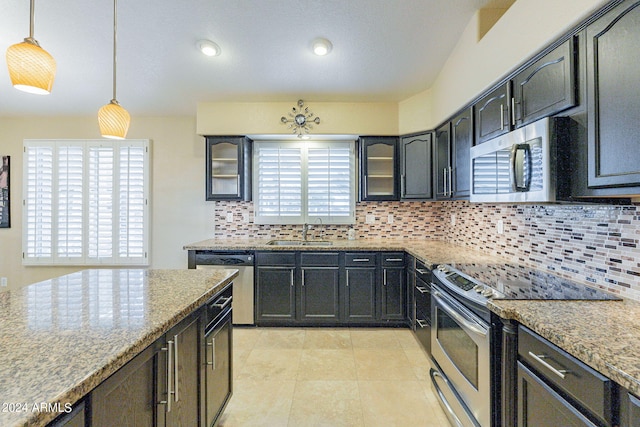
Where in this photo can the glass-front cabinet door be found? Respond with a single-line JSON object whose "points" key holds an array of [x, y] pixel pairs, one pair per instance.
{"points": [[228, 168], [379, 168]]}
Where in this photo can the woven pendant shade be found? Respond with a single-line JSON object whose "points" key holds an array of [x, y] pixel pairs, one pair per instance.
{"points": [[31, 68], [113, 121]]}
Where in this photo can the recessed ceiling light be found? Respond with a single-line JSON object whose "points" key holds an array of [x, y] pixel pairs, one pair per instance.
{"points": [[322, 47], [208, 48]]}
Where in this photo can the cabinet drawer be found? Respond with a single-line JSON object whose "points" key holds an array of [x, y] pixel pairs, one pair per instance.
{"points": [[360, 259], [321, 259], [276, 258], [393, 259], [572, 377], [423, 272]]}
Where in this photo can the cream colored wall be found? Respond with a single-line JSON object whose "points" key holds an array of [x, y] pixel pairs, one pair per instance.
{"points": [[179, 212], [247, 118], [474, 65]]}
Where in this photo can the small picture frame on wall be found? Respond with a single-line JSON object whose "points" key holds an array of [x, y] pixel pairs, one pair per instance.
{"points": [[5, 217]]}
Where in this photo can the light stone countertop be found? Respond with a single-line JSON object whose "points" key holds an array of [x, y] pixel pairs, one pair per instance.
{"points": [[603, 334], [62, 337]]}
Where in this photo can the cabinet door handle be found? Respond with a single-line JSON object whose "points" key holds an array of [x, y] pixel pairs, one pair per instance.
{"points": [[384, 278], [513, 111], [175, 366], [539, 358], [169, 374], [366, 187], [450, 182], [444, 181], [292, 278], [213, 353], [501, 117], [238, 186], [302, 278], [347, 278], [210, 344], [402, 185]]}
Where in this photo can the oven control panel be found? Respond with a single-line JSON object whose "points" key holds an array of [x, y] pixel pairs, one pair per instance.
{"points": [[464, 285]]}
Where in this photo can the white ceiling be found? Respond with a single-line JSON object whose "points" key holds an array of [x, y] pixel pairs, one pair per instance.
{"points": [[383, 50]]}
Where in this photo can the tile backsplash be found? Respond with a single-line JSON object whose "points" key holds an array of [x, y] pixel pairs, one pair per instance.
{"points": [[592, 244]]}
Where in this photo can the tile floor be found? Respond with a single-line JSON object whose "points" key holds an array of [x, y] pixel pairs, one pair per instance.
{"points": [[300, 377]]}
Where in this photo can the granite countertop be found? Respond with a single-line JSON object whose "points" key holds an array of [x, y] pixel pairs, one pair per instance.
{"points": [[603, 334], [62, 337], [430, 252]]}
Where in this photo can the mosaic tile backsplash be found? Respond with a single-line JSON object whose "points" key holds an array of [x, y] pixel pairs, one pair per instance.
{"points": [[592, 244]]}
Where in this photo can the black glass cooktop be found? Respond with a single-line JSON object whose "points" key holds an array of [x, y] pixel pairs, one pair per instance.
{"points": [[518, 282]]}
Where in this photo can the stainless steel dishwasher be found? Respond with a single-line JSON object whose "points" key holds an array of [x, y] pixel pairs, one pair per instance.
{"points": [[242, 285]]}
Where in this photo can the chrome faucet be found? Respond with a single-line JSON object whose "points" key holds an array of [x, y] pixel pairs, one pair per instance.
{"points": [[305, 231]]}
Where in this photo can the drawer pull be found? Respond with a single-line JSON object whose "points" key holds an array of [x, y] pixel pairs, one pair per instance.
{"points": [[421, 271], [360, 260], [394, 259], [222, 305], [422, 289], [422, 323], [539, 358]]}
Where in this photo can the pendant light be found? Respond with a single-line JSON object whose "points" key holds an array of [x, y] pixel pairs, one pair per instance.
{"points": [[31, 68], [112, 118]]}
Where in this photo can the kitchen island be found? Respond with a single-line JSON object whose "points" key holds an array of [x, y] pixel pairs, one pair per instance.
{"points": [[63, 337]]}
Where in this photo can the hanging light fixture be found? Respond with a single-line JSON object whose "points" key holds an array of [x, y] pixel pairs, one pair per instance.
{"points": [[112, 118], [31, 68]]}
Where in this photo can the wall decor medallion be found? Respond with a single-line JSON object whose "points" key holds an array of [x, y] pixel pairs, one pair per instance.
{"points": [[300, 119]]}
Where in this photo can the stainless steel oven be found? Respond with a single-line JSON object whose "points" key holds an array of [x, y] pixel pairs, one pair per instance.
{"points": [[460, 346]]}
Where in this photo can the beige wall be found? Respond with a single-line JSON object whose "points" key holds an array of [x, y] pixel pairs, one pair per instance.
{"points": [[179, 212], [248, 118]]}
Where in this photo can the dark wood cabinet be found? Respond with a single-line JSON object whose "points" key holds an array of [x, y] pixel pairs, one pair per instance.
{"points": [[442, 161], [379, 168], [361, 278], [319, 287], [228, 168], [541, 406], [416, 170], [275, 287], [492, 114], [629, 409], [183, 370], [613, 99], [130, 397], [545, 87], [217, 372], [393, 287], [454, 139], [461, 143], [76, 418]]}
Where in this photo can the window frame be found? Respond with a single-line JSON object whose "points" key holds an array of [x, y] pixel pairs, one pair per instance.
{"points": [[305, 217], [84, 259]]}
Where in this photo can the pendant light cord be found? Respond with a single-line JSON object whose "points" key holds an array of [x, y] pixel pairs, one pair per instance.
{"points": [[115, 30]]}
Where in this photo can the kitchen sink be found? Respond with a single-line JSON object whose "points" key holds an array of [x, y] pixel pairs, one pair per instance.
{"points": [[299, 243]]}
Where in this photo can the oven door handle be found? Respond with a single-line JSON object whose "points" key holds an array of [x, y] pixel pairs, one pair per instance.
{"points": [[434, 375], [461, 317]]}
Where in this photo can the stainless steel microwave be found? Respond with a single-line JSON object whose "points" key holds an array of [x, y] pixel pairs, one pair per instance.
{"points": [[522, 165]]}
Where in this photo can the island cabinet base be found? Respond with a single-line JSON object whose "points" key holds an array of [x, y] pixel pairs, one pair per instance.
{"points": [[175, 381]]}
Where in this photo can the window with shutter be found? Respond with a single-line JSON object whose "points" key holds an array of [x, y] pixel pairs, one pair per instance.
{"points": [[304, 182], [86, 202]]}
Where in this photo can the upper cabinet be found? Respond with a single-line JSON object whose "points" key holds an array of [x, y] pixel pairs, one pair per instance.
{"points": [[453, 142], [613, 100], [379, 166], [416, 170], [228, 168], [544, 88], [492, 114]]}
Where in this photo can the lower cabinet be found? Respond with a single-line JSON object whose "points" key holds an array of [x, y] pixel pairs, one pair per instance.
{"points": [[330, 288], [629, 409], [183, 379], [393, 289], [129, 397], [275, 287], [361, 279]]}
